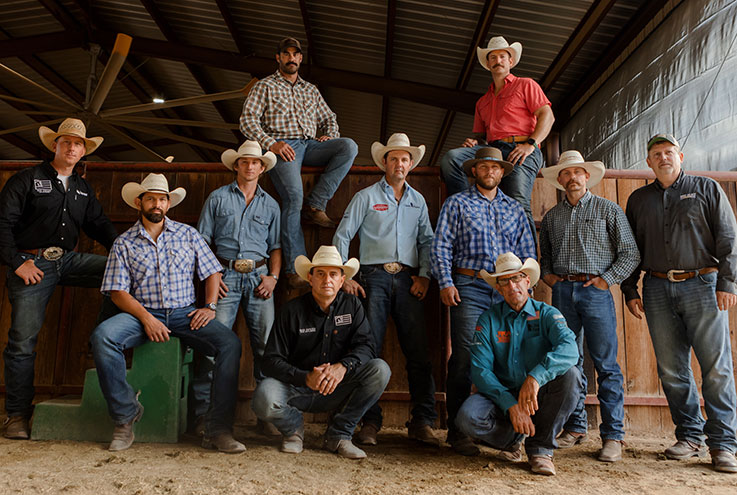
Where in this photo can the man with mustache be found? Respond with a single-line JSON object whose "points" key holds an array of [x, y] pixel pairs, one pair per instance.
{"points": [[288, 116], [42, 210], [687, 236], [514, 116], [474, 227], [587, 246]]}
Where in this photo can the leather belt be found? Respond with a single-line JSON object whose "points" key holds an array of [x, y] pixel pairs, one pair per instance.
{"points": [[52, 253], [514, 139], [578, 277], [681, 275], [467, 271], [242, 265], [394, 267]]}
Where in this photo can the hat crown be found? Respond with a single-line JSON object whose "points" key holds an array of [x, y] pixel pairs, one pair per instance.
{"points": [[660, 138], [155, 183], [490, 154], [497, 43], [327, 255], [570, 157], [398, 139], [73, 127], [250, 148], [508, 262]]}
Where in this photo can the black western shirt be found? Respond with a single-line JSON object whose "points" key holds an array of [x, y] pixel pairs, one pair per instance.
{"points": [[304, 336], [36, 212]]}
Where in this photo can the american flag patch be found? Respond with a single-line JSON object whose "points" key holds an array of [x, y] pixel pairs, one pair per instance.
{"points": [[345, 319], [536, 317]]}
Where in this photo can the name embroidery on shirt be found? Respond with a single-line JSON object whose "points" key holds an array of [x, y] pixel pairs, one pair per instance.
{"points": [[503, 336], [381, 207], [81, 193], [42, 185], [307, 330], [345, 319], [688, 196]]}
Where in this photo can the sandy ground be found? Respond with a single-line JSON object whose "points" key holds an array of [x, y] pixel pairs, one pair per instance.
{"points": [[396, 465]]}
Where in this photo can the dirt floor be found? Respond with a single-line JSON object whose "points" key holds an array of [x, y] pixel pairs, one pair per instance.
{"points": [[396, 465]]}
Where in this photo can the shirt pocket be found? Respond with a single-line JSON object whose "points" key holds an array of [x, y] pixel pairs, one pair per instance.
{"points": [[690, 212], [279, 105], [260, 227], [142, 264], [593, 228], [309, 103], [225, 221], [472, 220], [181, 260]]}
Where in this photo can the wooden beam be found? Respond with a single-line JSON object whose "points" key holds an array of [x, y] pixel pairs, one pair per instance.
{"points": [[61, 14], [391, 18], [30, 45], [311, 58], [233, 27]]}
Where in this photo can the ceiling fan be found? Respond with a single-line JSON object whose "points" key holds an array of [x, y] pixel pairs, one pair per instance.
{"points": [[112, 120]]}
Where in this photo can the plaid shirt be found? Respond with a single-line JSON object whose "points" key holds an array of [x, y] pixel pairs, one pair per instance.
{"points": [[472, 231], [276, 109], [591, 237], [159, 274]]}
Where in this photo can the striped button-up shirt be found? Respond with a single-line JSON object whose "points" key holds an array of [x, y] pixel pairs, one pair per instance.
{"points": [[472, 231], [592, 236], [159, 274], [389, 231], [276, 109]]}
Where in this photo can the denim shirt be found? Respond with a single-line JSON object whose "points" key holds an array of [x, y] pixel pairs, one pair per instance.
{"points": [[389, 231], [237, 230]]}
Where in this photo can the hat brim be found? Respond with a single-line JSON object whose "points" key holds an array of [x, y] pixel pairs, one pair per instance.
{"points": [[515, 49], [530, 267], [132, 190], [378, 151], [596, 170], [303, 265], [48, 137], [230, 157], [468, 164]]}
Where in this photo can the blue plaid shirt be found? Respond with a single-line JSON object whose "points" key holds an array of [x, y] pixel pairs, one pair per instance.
{"points": [[472, 231], [159, 274]]}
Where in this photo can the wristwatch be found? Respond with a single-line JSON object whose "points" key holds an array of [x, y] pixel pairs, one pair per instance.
{"points": [[212, 306], [532, 141], [272, 275]]}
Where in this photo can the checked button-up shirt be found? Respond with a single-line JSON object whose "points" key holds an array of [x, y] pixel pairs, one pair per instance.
{"points": [[159, 274], [472, 231]]}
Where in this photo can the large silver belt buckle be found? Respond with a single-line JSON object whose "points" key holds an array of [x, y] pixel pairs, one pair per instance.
{"points": [[671, 274], [243, 266], [52, 253], [393, 267]]}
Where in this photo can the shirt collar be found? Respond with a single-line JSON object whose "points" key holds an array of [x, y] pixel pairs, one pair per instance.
{"points": [[279, 77], [584, 199], [507, 80], [475, 193], [51, 171], [316, 307], [389, 190], [528, 308], [234, 187], [168, 225], [676, 184]]}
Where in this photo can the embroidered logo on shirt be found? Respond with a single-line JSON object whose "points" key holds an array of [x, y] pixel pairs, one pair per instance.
{"points": [[307, 330], [688, 196], [381, 207], [345, 319], [478, 328], [503, 336], [536, 317], [81, 193], [42, 185]]}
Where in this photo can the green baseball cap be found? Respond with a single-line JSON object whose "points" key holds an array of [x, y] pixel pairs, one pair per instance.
{"points": [[659, 138]]}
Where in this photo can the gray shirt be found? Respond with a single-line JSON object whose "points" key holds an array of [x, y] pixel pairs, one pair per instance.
{"points": [[688, 226]]}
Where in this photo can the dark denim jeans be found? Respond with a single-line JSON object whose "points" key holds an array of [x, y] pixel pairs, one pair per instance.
{"points": [[282, 404], [125, 331], [28, 304], [388, 294], [682, 316], [590, 312], [483, 420], [336, 156]]}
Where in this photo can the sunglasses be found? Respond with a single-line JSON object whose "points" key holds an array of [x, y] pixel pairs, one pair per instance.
{"points": [[503, 282]]}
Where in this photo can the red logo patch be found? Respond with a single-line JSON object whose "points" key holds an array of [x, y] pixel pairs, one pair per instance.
{"points": [[478, 328], [381, 207], [503, 337]]}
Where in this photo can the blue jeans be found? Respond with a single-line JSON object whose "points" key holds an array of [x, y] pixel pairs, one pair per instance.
{"points": [[476, 297], [336, 156], [517, 185], [590, 312], [389, 294], [681, 316], [125, 331], [259, 315], [481, 419], [282, 404], [28, 304]]}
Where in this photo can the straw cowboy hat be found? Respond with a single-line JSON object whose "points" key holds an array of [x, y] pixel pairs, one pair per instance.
{"points": [[397, 141], [325, 256], [499, 43], [248, 149], [507, 264], [70, 127], [573, 158], [487, 154], [155, 183]]}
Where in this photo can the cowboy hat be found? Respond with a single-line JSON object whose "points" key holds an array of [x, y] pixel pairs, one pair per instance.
{"points": [[573, 158], [155, 183], [499, 43], [507, 264], [70, 127], [248, 149], [487, 154], [325, 256], [397, 141]]}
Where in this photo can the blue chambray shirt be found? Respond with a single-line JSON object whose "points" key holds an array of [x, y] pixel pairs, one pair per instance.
{"points": [[508, 346], [473, 231], [389, 231], [238, 231], [159, 274]]}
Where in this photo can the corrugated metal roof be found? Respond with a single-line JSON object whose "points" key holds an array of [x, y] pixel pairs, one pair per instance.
{"points": [[26, 18]]}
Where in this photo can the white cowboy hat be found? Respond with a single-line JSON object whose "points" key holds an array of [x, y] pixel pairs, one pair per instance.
{"points": [[397, 141], [70, 127], [325, 256], [499, 43], [487, 154], [573, 158], [248, 149], [507, 264], [156, 183]]}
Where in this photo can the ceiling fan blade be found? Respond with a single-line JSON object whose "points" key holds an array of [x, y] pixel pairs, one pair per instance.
{"points": [[31, 102], [133, 142], [170, 135], [38, 86], [226, 95], [156, 120], [35, 125], [112, 69]]}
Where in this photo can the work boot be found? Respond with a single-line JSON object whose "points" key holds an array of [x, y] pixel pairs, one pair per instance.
{"points": [[422, 433], [685, 449], [542, 464], [344, 448], [267, 429], [199, 426], [723, 461], [16, 428], [462, 444], [318, 217], [123, 434], [292, 444], [611, 450], [367, 435], [568, 439], [514, 454], [223, 442]]}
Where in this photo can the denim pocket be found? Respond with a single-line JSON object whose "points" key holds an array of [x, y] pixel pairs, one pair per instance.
{"points": [[708, 278], [459, 280]]}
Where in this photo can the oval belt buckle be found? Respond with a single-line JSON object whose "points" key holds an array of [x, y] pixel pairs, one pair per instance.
{"points": [[243, 266], [392, 267], [672, 273], [53, 253]]}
